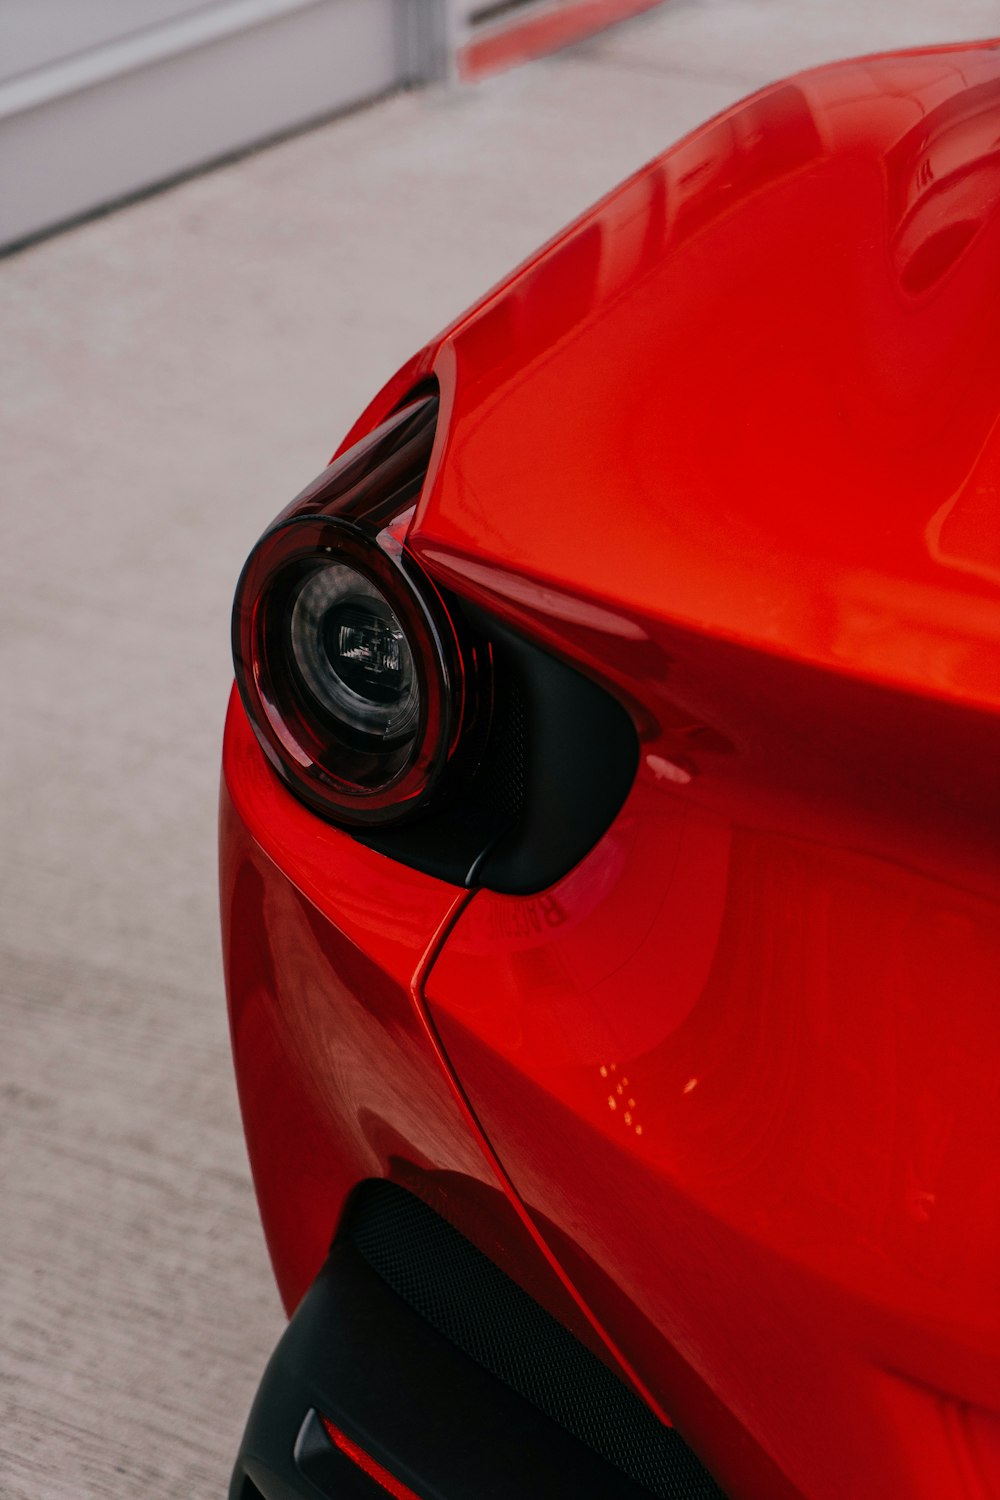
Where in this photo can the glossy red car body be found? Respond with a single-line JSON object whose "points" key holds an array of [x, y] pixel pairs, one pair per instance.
{"points": [[725, 1098]]}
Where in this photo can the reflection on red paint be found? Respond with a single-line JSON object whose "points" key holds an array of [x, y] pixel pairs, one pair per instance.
{"points": [[942, 180]]}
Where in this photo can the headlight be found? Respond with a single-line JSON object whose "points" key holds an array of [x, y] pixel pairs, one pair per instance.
{"points": [[347, 660], [375, 696]]}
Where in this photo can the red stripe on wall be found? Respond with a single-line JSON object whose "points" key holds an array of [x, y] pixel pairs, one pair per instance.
{"points": [[536, 35]]}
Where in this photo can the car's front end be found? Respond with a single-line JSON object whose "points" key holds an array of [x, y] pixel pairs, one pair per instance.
{"points": [[609, 848]]}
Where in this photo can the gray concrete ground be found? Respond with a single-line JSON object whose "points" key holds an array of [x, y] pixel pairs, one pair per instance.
{"points": [[170, 375]]}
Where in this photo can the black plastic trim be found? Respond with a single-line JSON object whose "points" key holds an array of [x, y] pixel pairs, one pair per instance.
{"points": [[573, 750], [434, 1417], [581, 756]]}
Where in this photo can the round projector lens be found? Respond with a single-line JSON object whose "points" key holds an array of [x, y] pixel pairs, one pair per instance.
{"points": [[353, 656]]}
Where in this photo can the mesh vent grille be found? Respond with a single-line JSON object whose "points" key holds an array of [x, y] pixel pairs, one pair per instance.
{"points": [[471, 1302], [499, 787]]}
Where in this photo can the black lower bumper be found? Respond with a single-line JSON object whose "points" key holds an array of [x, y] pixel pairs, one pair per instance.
{"points": [[443, 1423]]}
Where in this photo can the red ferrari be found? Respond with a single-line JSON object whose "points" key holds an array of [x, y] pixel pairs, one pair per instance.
{"points": [[609, 830]]}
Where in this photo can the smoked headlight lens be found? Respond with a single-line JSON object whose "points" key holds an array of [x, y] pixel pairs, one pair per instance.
{"points": [[352, 655]]}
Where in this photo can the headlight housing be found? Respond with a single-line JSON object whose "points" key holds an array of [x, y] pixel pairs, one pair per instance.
{"points": [[348, 663], [418, 721]]}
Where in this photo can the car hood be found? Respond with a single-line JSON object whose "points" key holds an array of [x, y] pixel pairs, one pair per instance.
{"points": [[754, 393]]}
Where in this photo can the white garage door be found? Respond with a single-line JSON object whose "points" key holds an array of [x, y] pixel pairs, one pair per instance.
{"points": [[100, 99], [103, 98]]}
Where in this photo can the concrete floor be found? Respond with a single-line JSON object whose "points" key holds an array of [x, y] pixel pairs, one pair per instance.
{"points": [[170, 376]]}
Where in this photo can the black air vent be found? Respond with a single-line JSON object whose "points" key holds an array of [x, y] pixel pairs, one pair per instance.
{"points": [[555, 768], [469, 1300]]}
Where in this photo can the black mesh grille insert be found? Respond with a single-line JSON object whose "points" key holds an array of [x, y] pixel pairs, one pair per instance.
{"points": [[469, 1300], [498, 786]]}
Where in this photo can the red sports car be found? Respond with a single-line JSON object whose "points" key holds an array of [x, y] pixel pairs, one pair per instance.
{"points": [[610, 861]]}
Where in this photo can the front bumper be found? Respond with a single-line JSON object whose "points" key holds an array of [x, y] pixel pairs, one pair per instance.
{"points": [[449, 1380]]}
